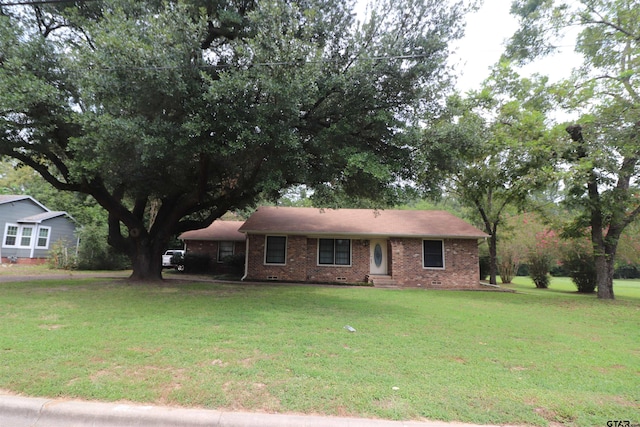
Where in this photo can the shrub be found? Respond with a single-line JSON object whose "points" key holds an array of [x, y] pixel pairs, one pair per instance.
{"points": [[559, 271], [62, 256], [196, 262], [507, 266], [96, 254], [539, 265], [582, 270], [523, 270], [235, 262], [627, 272]]}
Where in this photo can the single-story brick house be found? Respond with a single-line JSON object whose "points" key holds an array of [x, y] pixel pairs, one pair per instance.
{"points": [[29, 230], [431, 249], [219, 240]]}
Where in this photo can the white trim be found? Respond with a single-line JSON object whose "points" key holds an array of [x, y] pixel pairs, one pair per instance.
{"points": [[246, 259], [4, 236], [39, 228], [19, 236], [19, 198], [286, 244], [443, 255]]}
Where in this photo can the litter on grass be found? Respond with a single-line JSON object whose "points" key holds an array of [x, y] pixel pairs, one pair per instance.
{"points": [[350, 328]]}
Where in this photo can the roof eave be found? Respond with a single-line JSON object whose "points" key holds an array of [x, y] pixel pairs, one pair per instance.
{"points": [[367, 235]]}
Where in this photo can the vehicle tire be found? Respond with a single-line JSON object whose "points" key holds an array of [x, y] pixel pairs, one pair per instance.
{"points": [[180, 267]]}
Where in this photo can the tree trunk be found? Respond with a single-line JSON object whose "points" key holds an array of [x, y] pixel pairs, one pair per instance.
{"points": [[493, 259], [146, 268], [604, 258], [605, 280], [605, 276], [146, 260]]}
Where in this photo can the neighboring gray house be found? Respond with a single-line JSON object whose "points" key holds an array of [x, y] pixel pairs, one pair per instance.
{"points": [[29, 229]]}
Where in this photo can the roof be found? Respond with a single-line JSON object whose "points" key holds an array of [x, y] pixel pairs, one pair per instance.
{"points": [[10, 198], [360, 222], [42, 217], [218, 230], [38, 218], [7, 198]]}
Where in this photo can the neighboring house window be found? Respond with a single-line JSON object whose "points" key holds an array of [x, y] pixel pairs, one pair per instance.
{"points": [[25, 239], [225, 249], [11, 235], [433, 253], [276, 250], [334, 251], [43, 237], [18, 236]]}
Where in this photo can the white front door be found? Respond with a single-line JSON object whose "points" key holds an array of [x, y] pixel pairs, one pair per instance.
{"points": [[378, 257]]}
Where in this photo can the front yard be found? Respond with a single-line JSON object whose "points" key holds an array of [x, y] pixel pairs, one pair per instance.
{"points": [[533, 357]]}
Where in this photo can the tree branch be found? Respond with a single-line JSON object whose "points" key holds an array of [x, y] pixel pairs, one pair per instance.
{"points": [[43, 170], [616, 27]]}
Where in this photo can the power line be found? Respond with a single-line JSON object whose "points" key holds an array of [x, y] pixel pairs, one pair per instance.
{"points": [[41, 2]]}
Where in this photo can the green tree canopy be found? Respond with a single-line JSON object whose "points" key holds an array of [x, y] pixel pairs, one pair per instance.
{"points": [[171, 113], [602, 147], [491, 149]]}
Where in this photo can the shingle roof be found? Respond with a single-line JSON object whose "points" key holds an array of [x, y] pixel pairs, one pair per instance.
{"points": [[11, 198], [41, 217], [359, 222], [218, 230]]}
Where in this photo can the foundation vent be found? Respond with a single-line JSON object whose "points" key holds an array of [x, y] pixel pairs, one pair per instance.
{"points": [[341, 279], [272, 277]]}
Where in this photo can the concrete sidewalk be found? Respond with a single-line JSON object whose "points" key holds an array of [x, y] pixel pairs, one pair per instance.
{"points": [[16, 411]]}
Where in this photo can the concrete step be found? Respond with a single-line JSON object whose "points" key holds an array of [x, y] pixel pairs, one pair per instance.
{"points": [[382, 281]]}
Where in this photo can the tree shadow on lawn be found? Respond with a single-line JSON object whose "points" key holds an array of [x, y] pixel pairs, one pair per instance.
{"points": [[626, 292], [259, 298]]}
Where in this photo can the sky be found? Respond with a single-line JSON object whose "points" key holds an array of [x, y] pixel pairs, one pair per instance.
{"points": [[485, 34]]}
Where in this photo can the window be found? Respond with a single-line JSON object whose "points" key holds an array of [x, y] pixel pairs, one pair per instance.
{"points": [[11, 235], [433, 253], [276, 250], [225, 249], [334, 251], [43, 237], [18, 236], [25, 239]]}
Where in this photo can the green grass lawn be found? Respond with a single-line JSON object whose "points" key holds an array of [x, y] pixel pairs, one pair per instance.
{"points": [[533, 357]]}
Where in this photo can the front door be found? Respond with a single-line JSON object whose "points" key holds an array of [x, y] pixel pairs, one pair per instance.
{"points": [[378, 257]]}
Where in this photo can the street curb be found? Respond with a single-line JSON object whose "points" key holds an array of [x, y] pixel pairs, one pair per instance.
{"points": [[17, 411]]}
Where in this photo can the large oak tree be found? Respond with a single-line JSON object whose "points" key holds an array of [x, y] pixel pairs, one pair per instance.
{"points": [[170, 113]]}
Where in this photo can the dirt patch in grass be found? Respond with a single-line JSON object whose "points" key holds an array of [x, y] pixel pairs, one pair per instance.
{"points": [[51, 327], [257, 356], [243, 396]]}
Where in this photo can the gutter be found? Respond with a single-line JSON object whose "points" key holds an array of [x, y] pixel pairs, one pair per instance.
{"points": [[246, 258]]}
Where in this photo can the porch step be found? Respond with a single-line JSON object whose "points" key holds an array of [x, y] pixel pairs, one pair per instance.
{"points": [[381, 281]]}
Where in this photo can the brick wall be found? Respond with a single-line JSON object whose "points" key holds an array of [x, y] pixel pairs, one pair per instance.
{"points": [[295, 263], [460, 260], [24, 261], [302, 262], [355, 273], [405, 263]]}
